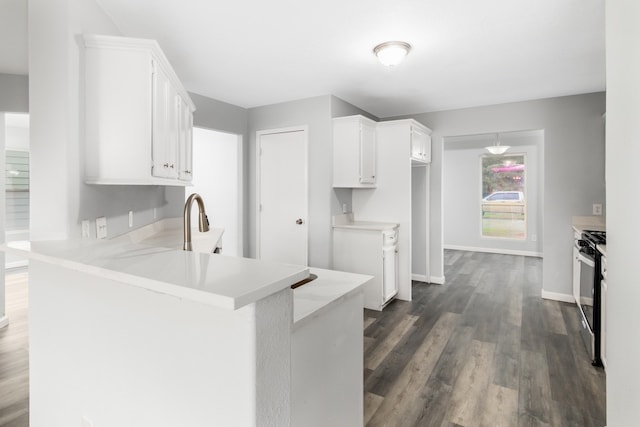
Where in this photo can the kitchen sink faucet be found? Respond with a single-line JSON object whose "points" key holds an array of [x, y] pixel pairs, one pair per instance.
{"points": [[203, 221]]}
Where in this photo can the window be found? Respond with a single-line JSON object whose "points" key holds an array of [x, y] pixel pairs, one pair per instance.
{"points": [[503, 197], [17, 190]]}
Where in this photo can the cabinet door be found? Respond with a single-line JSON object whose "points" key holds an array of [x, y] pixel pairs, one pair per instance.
{"points": [[185, 141], [164, 136], [389, 273], [426, 149], [417, 143], [420, 145], [367, 154]]}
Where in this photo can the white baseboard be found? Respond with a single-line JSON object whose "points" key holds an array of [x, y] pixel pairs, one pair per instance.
{"points": [[585, 301], [419, 278], [438, 280], [4, 321], [558, 297], [494, 251]]}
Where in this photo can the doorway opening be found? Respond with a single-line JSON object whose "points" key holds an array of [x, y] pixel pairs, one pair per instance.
{"points": [[217, 177], [494, 203]]}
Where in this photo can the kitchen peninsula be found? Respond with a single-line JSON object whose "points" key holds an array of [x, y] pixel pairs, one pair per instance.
{"points": [[123, 333]]}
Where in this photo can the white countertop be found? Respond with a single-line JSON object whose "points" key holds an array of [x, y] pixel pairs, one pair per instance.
{"points": [[217, 280], [348, 221], [321, 293], [594, 223]]}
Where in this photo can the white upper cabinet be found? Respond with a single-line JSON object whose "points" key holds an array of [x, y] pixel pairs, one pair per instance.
{"points": [[138, 116], [354, 152], [420, 144]]}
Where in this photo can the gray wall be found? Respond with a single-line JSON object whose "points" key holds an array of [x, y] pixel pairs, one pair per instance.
{"points": [[574, 137], [623, 207], [462, 187], [14, 93]]}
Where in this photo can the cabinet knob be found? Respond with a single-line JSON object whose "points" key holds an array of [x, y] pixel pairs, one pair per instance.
{"points": [[166, 165], [299, 221], [171, 166]]}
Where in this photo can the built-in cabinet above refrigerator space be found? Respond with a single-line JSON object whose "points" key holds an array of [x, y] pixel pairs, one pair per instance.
{"points": [[420, 144], [138, 116]]}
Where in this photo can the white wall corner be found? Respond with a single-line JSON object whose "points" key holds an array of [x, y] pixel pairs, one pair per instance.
{"points": [[438, 280], [554, 296], [4, 321]]}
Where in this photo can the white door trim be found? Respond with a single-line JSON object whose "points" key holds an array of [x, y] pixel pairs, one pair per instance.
{"points": [[305, 130]]}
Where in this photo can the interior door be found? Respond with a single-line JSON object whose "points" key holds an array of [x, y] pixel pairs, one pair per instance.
{"points": [[282, 197]]}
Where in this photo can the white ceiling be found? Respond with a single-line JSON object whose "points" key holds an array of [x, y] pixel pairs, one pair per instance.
{"points": [[465, 52]]}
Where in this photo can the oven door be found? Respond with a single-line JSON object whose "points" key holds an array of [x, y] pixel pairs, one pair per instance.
{"points": [[583, 273]]}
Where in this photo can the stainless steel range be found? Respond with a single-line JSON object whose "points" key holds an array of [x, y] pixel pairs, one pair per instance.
{"points": [[587, 290]]}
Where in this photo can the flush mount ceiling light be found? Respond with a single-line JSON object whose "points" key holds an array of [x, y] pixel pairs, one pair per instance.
{"points": [[496, 148], [391, 53]]}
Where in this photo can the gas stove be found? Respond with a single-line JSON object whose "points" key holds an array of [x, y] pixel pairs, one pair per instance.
{"points": [[594, 237]]}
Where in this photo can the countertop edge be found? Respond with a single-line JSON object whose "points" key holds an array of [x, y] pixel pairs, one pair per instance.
{"points": [[208, 298]]}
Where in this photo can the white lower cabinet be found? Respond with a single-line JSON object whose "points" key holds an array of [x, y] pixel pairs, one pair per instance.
{"points": [[371, 251]]}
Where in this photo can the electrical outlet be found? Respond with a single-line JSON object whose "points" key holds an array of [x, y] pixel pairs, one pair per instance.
{"points": [[344, 208], [534, 238], [101, 227], [597, 209], [155, 213], [86, 227], [130, 219]]}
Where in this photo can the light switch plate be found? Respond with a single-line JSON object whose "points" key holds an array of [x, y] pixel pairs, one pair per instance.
{"points": [[101, 227]]}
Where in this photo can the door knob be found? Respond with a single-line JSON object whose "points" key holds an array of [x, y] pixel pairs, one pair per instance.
{"points": [[299, 221]]}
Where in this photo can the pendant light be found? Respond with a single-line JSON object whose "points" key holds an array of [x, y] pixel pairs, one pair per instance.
{"points": [[496, 148], [392, 53]]}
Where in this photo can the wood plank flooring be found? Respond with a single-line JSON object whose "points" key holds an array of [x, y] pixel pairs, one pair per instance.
{"points": [[482, 350], [14, 354]]}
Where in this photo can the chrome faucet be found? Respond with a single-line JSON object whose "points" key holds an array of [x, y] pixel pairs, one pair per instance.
{"points": [[203, 221]]}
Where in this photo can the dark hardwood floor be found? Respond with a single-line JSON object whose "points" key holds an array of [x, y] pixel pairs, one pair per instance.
{"points": [[14, 354], [482, 350]]}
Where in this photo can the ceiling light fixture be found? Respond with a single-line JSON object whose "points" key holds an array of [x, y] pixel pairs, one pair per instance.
{"points": [[496, 148], [392, 53]]}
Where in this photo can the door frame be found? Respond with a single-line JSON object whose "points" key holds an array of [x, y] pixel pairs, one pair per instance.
{"points": [[259, 134]]}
